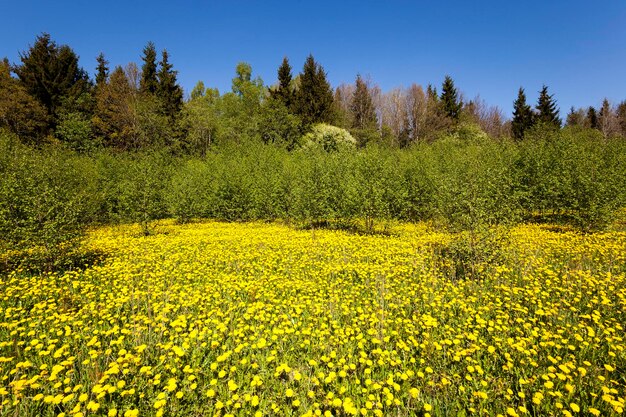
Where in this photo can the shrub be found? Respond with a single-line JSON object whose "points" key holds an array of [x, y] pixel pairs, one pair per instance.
{"points": [[46, 201], [330, 138]]}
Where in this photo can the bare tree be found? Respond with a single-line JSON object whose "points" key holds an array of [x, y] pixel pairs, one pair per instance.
{"points": [[490, 118], [608, 122], [392, 109]]}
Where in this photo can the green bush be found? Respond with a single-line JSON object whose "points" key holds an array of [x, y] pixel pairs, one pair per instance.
{"points": [[47, 200]]}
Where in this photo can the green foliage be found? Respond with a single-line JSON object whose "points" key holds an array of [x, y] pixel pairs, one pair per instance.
{"points": [[284, 92], [200, 121], [20, 113], [475, 184], [47, 199], [51, 74], [168, 91], [472, 254], [547, 111], [191, 191], [142, 196], [449, 99], [363, 115], [76, 131], [523, 117], [466, 183], [571, 176], [102, 70], [328, 138], [314, 97], [276, 125], [149, 82]]}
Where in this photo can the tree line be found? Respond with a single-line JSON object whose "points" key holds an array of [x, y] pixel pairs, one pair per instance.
{"points": [[126, 146], [49, 98]]}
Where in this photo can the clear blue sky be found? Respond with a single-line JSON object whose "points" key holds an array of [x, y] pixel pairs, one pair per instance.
{"points": [[577, 48]]}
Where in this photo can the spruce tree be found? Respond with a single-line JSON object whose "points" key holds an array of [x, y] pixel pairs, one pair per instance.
{"points": [[548, 113], [364, 122], [149, 82], [522, 116], [362, 107], [51, 74], [102, 70], [314, 98], [168, 91], [284, 91], [592, 118], [431, 93], [450, 100], [115, 116], [575, 117]]}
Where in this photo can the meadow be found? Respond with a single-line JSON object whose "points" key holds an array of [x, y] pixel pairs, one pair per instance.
{"points": [[240, 319]]}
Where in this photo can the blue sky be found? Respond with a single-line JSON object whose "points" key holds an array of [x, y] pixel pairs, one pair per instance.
{"points": [[489, 48]]}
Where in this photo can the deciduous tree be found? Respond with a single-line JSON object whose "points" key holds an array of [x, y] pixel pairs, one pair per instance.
{"points": [[20, 113]]}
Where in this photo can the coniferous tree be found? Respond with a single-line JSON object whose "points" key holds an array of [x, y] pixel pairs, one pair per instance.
{"points": [[362, 107], [284, 92], [51, 74], [431, 92], [149, 82], [592, 118], [548, 113], [115, 118], [575, 117], [168, 91], [450, 100], [363, 113], [522, 116], [102, 70], [314, 98]]}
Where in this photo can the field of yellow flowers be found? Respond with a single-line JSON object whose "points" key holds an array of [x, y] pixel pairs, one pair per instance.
{"points": [[265, 319]]}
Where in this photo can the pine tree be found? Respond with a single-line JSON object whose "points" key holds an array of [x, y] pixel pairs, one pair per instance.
{"points": [[523, 118], [51, 74], [168, 91], [149, 82], [450, 100], [314, 98], [284, 92], [102, 70], [548, 113]]}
